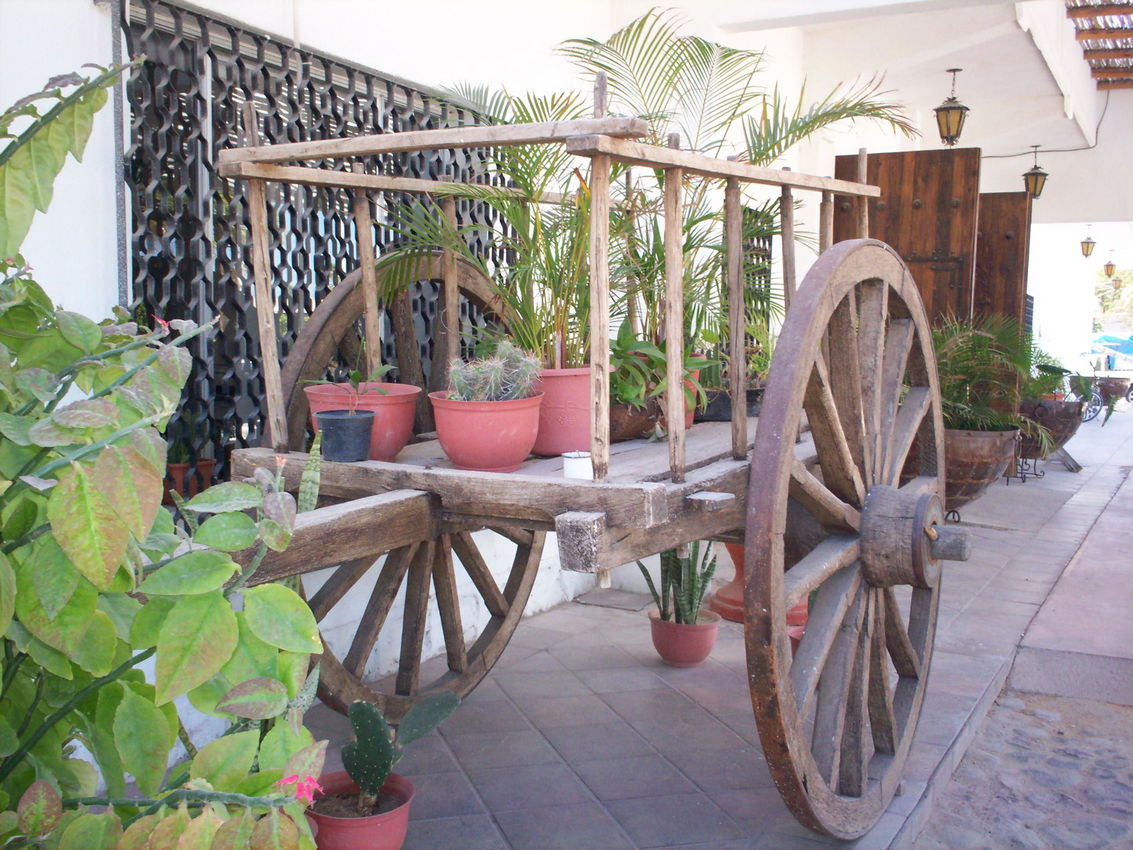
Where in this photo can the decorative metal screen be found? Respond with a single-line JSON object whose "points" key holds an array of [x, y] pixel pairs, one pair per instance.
{"points": [[190, 245]]}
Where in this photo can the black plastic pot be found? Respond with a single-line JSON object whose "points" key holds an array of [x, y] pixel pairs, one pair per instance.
{"points": [[719, 407], [346, 435]]}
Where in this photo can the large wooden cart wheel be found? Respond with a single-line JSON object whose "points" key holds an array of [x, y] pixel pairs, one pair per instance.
{"points": [[475, 628], [855, 356]]}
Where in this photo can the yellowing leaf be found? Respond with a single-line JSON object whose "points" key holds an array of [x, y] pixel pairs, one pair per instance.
{"points": [[279, 617], [196, 640], [198, 835], [95, 652], [131, 485], [92, 832], [226, 761], [275, 831], [87, 527]]}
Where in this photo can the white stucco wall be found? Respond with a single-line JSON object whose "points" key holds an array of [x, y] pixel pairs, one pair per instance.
{"points": [[73, 247]]}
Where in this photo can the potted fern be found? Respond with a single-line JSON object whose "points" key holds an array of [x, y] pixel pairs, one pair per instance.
{"points": [[489, 419], [366, 806], [683, 633]]}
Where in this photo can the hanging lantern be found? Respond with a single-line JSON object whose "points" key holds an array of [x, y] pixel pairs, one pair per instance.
{"points": [[1116, 284], [1109, 268], [1035, 178], [1088, 243], [950, 115]]}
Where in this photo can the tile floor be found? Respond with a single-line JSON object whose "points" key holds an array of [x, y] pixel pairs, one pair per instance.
{"points": [[581, 738]]}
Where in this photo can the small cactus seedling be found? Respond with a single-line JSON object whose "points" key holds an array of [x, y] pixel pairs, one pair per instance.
{"points": [[376, 747]]}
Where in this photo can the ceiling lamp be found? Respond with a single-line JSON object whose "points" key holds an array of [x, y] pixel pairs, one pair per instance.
{"points": [[1087, 243], [950, 115], [1109, 268], [1035, 179]]}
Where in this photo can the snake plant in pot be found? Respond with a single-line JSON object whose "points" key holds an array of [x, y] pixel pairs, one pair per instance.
{"points": [[366, 806], [683, 633]]}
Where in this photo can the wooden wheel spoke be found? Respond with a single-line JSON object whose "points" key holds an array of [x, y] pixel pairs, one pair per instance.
{"points": [[524, 554], [900, 647], [873, 306], [882, 720], [448, 605], [906, 426], [842, 349], [854, 751], [481, 576], [828, 509], [413, 626], [338, 585], [898, 343], [831, 555], [826, 616], [376, 611], [839, 472], [921, 484], [834, 689]]}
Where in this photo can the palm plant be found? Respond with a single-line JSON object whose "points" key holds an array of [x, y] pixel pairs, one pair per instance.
{"points": [[710, 94]]}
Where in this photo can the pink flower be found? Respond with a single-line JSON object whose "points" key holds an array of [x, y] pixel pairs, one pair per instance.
{"points": [[305, 788], [161, 323]]}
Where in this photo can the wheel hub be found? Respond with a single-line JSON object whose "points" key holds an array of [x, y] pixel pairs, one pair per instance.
{"points": [[898, 530]]}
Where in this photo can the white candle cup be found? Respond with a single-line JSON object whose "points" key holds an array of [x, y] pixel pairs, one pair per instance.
{"points": [[577, 465]]}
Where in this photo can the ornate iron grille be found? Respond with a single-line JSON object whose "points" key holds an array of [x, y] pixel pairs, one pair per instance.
{"points": [[191, 257]]}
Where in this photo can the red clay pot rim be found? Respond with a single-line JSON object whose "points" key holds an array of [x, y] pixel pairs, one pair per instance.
{"points": [[392, 392], [705, 618], [440, 398], [339, 782]]}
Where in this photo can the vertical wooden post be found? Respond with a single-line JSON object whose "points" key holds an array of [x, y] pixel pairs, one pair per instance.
{"points": [[276, 430], [447, 336], [737, 314], [632, 312], [826, 221], [600, 300], [863, 201], [787, 237], [364, 227], [674, 318]]}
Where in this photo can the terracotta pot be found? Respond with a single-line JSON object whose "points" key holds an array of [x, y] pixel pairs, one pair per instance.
{"points": [[178, 479], [1113, 387], [393, 411], [564, 417], [728, 601], [973, 460], [1061, 418], [486, 436], [385, 831], [631, 423], [346, 434], [681, 645]]}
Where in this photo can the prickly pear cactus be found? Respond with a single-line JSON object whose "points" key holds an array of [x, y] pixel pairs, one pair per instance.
{"points": [[371, 755]]}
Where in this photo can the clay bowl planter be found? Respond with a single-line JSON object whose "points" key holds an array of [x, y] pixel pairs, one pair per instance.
{"points": [[486, 436], [1061, 418], [973, 461], [346, 434], [681, 645], [1113, 387], [631, 423], [383, 831], [393, 406]]}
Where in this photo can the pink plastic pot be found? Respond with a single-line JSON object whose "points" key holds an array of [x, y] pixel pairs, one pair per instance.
{"points": [[564, 418], [393, 411], [385, 831], [486, 436], [681, 645]]}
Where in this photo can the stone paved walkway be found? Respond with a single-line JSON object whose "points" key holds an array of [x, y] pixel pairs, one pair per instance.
{"points": [[1044, 772]]}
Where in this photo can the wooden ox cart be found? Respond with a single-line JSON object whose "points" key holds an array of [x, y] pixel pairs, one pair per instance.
{"points": [[830, 498]]}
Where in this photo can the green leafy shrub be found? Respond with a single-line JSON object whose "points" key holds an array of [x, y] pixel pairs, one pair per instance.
{"points": [[684, 581], [96, 579]]}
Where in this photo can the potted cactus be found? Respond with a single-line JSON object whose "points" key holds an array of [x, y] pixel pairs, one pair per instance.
{"points": [[489, 418], [683, 634], [366, 806]]}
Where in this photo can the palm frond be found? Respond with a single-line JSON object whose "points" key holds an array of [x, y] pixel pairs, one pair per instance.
{"points": [[778, 126], [717, 86]]}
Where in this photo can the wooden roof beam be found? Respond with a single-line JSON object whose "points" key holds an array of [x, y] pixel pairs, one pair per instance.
{"points": [[1099, 10], [1104, 34], [499, 135], [1111, 73], [1115, 84], [1108, 53]]}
